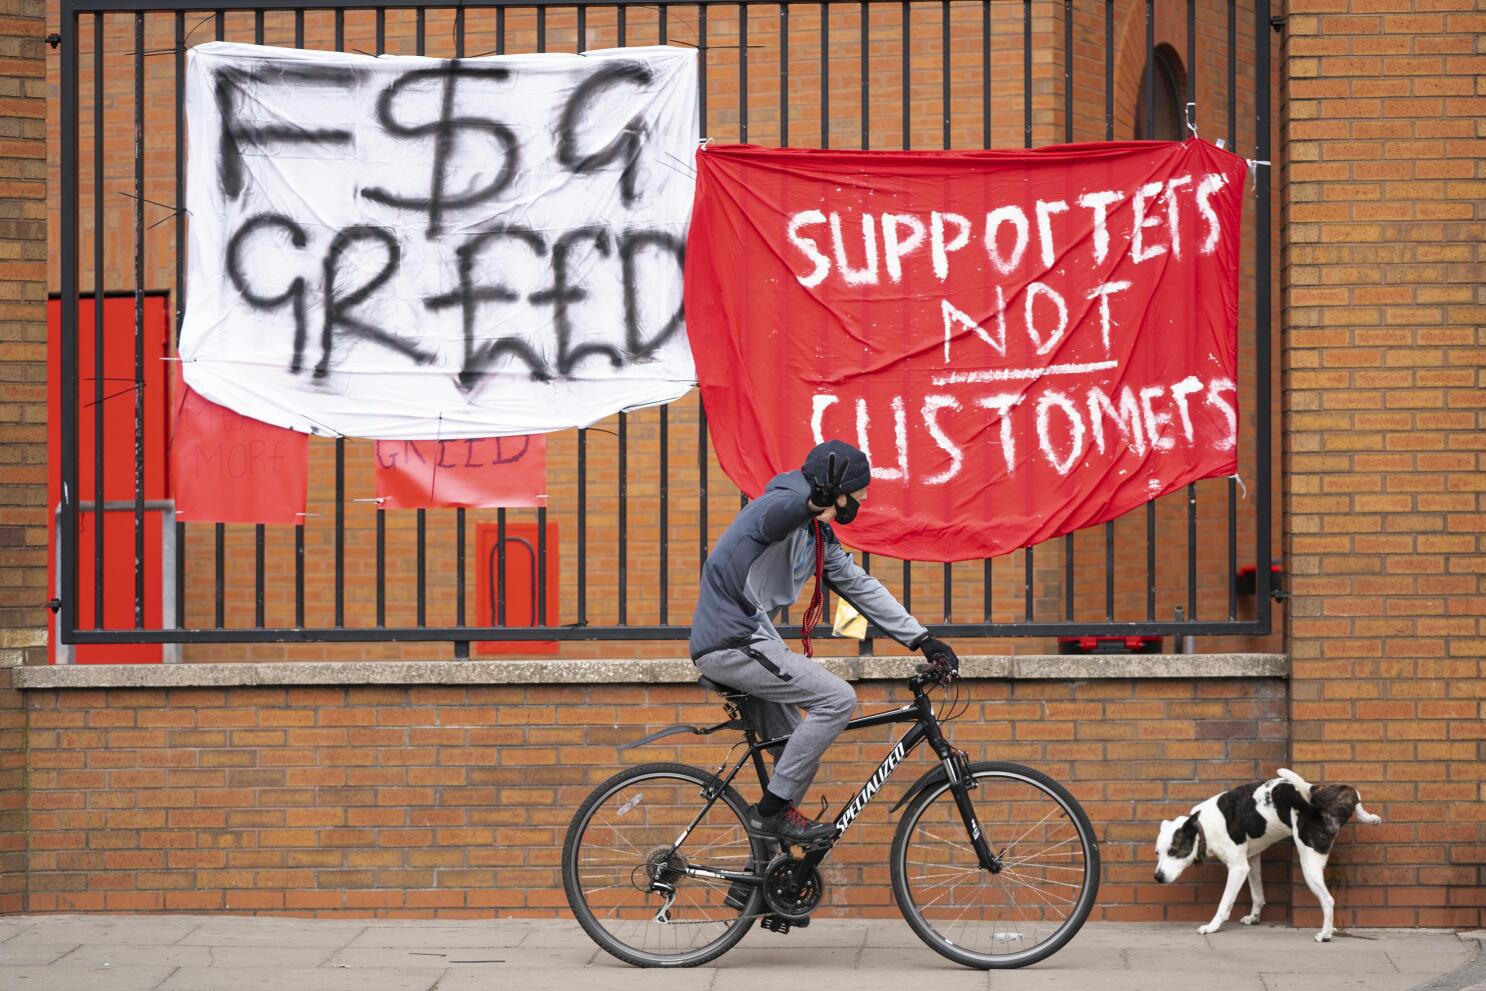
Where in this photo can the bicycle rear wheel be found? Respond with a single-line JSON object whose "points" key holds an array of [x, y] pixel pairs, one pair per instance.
{"points": [[1031, 908], [621, 840]]}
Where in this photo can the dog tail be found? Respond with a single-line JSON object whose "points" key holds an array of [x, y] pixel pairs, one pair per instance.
{"points": [[1362, 814], [1301, 785]]}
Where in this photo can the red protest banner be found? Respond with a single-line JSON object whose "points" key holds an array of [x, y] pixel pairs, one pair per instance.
{"points": [[476, 474], [227, 468], [1025, 343]]}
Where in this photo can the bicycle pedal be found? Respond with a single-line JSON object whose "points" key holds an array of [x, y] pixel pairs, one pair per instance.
{"points": [[776, 924]]}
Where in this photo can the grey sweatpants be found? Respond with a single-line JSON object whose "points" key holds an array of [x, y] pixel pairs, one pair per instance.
{"points": [[779, 681]]}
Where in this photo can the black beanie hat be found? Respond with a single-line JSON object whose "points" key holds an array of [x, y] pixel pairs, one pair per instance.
{"points": [[858, 471]]}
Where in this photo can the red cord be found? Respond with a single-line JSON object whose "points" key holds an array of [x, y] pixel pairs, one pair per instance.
{"points": [[813, 611]]}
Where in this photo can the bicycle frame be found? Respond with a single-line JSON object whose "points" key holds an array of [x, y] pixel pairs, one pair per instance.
{"points": [[925, 727]]}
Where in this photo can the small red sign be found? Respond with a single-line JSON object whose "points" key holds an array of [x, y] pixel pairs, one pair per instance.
{"points": [[227, 468], [478, 473]]}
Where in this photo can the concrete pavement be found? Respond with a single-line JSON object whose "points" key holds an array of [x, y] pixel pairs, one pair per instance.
{"points": [[223, 953]]}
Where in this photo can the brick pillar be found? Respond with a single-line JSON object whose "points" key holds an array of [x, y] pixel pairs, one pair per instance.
{"points": [[1386, 413], [22, 405]]}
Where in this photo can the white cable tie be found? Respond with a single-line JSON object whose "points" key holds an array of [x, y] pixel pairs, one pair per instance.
{"points": [[1242, 488], [1192, 118], [1222, 143], [1254, 164], [378, 500], [306, 515], [704, 142]]}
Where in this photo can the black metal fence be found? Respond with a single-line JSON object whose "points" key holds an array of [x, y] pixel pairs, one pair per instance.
{"points": [[972, 38]]}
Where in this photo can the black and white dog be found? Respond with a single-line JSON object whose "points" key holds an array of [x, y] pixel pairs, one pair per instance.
{"points": [[1238, 825]]}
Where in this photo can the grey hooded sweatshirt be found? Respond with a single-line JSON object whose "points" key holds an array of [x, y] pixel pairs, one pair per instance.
{"points": [[764, 560]]}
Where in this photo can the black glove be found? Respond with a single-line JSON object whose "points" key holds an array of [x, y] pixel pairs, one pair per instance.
{"points": [[824, 491], [939, 653]]}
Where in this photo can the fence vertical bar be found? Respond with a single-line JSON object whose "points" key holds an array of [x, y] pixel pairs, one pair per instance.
{"points": [[862, 72], [1027, 75], [220, 27], [1068, 71], [1109, 526], [944, 71], [1232, 481], [422, 555], [459, 526], [299, 575], [825, 75], [620, 25], [702, 530], [180, 274], [665, 515], [221, 575], [582, 531], [299, 27], [340, 531], [985, 103], [258, 576], [139, 561], [1150, 560], [459, 34], [381, 565], [100, 287], [258, 27], [623, 597], [500, 551], [381, 33], [1068, 569], [1148, 81], [742, 72], [907, 98], [1028, 583], [784, 75], [68, 85], [1262, 575]]}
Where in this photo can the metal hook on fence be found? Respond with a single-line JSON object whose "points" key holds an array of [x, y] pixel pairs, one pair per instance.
{"points": [[1242, 488]]}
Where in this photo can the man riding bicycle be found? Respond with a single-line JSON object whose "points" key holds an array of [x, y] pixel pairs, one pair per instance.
{"points": [[761, 564]]}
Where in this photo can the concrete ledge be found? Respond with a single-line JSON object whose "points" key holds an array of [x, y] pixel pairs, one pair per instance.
{"points": [[997, 667]]}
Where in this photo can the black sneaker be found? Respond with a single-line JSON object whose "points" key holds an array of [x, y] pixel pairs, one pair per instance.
{"points": [[790, 826]]}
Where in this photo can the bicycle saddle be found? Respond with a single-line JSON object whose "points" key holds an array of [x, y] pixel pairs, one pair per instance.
{"points": [[719, 688]]}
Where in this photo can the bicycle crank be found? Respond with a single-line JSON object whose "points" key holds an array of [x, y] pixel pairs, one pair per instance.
{"points": [[788, 893]]}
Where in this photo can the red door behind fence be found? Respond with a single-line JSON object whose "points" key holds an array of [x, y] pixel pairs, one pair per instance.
{"points": [[118, 420]]}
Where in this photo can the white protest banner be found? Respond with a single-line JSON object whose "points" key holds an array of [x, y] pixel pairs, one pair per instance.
{"points": [[409, 248]]}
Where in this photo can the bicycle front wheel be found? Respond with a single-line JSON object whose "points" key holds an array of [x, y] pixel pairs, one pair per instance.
{"points": [[622, 841], [1019, 916]]}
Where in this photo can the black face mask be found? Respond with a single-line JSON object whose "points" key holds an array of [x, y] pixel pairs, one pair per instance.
{"points": [[845, 514]]}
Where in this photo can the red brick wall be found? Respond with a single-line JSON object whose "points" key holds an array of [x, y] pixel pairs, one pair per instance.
{"points": [[455, 800], [1385, 400], [22, 403]]}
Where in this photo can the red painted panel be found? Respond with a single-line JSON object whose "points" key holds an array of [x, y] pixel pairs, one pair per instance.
{"points": [[520, 581], [118, 469]]}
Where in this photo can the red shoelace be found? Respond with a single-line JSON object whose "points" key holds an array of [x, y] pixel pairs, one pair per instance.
{"points": [[792, 815]]}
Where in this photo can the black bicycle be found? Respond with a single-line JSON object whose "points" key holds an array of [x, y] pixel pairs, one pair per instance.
{"points": [[994, 865]]}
